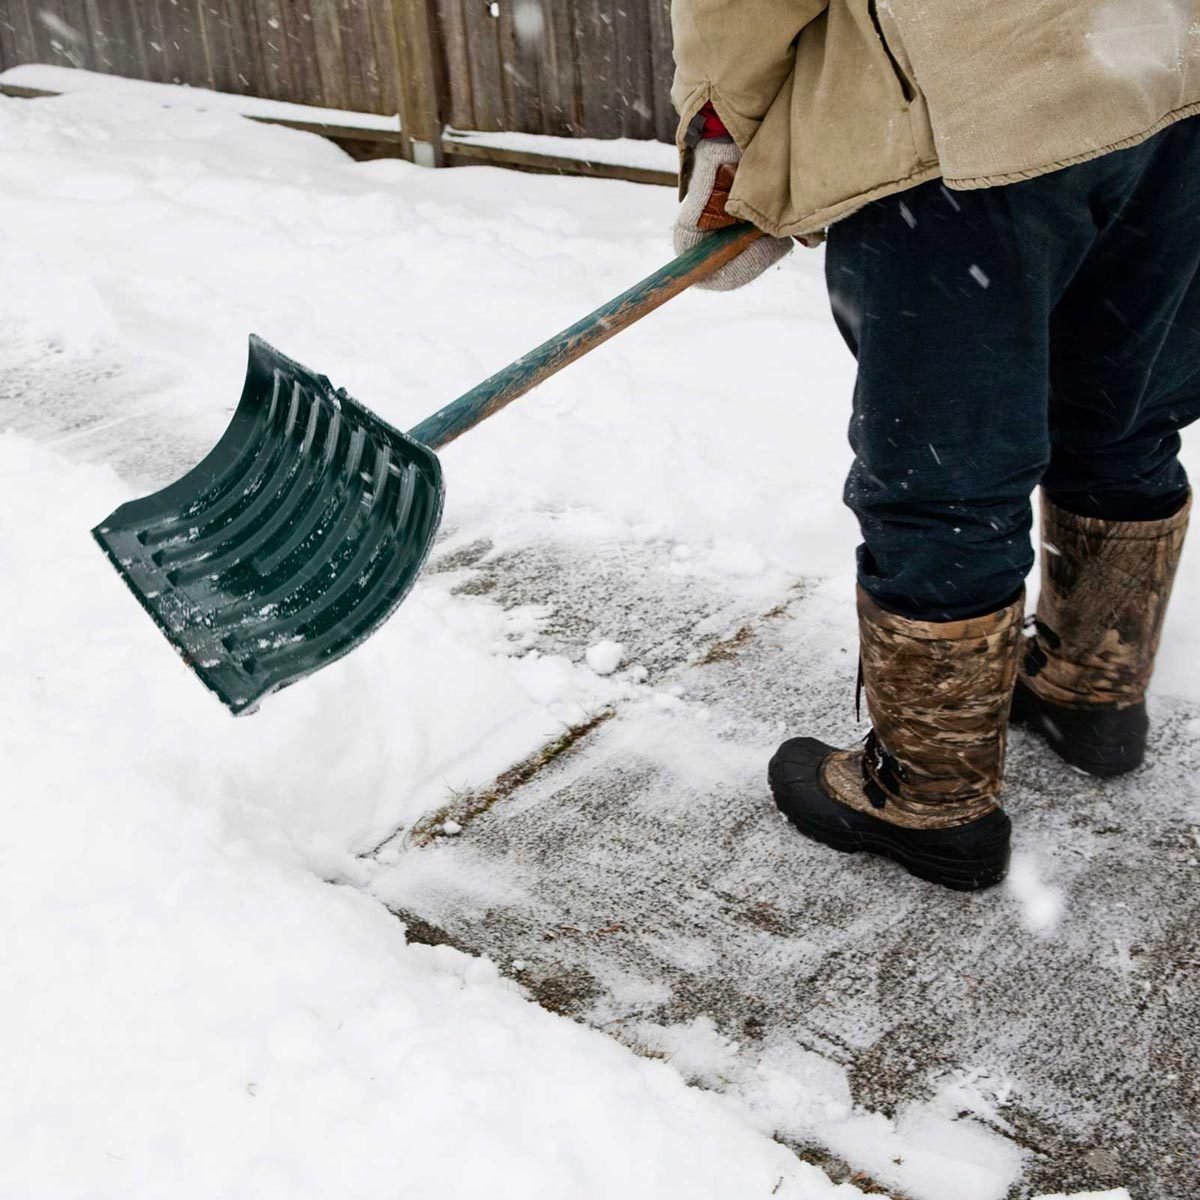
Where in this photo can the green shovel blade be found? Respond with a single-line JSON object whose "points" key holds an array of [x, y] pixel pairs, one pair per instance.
{"points": [[293, 540]]}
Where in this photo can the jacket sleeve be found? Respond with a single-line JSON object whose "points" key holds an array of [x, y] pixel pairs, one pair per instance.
{"points": [[736, 54]]}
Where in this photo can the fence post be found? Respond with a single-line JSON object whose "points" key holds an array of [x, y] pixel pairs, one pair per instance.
{"points": [[421, 85]]}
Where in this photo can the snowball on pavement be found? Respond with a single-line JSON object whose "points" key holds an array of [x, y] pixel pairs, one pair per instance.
{"points": [[1041, 903], [605, 657]]}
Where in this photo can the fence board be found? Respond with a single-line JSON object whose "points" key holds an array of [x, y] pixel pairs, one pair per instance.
{"points": [[358, 56], [600, 91], [460, 100], [105, 43], [520, 43], [275, 75], [560, 76], [422, 80], [17, 42], [127, 43], [246, 37], [662, 69], [487, 77], [48, 25], [164, 60], [221, 33], [634, 64], [300, 42], [194, 37], [387, 55], [64, 31], [327, 49]]}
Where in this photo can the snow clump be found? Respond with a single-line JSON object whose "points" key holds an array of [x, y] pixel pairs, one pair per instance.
{"points": [[605, 657]]}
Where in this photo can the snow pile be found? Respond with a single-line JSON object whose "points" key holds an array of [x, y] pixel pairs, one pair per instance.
{"points": [[191, 1010], [43, 77], [621, 152], [188, 1006], [926, 1150]]}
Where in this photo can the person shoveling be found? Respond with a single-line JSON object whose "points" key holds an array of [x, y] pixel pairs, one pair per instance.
{"points": [[1007, 196]]}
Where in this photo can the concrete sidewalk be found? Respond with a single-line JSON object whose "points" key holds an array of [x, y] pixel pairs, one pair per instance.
{"points": [[639, 874], [640, 880]]}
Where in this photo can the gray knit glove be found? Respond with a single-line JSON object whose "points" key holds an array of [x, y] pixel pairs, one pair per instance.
{"points": [[703, 212]]}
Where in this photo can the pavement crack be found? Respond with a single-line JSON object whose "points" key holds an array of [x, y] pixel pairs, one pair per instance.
{"points": [[465, 807]]}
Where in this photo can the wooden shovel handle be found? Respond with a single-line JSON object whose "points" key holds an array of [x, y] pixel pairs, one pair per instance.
{"points": [[607, 321]]}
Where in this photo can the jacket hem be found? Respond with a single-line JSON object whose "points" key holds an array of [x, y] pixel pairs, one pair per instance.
{"points": [[824, 217], [971, 183]]}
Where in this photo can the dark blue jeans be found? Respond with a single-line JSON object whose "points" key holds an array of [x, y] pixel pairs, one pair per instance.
{"points": [[1047, 332]]}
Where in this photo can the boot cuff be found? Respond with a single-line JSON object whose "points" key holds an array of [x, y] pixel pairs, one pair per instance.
{"points": [[989, 625], [1127, 531]]}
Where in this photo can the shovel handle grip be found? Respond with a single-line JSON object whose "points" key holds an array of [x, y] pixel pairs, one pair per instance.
{"points": [[607, 321]]}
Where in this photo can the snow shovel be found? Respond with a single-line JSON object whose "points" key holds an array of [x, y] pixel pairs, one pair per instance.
{"points": [[306, 525]]}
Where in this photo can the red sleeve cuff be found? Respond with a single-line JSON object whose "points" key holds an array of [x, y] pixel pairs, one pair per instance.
{"points": [[713, 125]]}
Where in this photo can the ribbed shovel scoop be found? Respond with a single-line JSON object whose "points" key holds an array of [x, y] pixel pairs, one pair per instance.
{"points": [[297, 537], [290, 543]]}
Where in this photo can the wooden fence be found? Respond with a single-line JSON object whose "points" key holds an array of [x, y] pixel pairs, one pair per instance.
{"points": [[577, 68], [335, 53], [582, 68]]}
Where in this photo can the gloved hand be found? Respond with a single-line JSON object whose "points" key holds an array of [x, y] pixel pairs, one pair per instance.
{"points": [[703, 212]]}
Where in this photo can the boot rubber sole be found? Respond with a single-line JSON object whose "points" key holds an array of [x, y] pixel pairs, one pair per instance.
{"points": [[1100, 740], [965, 857]]}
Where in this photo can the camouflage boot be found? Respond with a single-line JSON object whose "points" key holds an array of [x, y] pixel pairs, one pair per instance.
{"points": [[1084, 673], [923, 789]]}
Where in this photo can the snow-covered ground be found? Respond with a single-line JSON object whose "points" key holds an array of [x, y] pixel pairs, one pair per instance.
{"points": [[188, 1007], [42, 77]]}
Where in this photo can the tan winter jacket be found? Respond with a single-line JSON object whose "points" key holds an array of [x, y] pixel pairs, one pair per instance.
{"points": [[838, 102]]}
